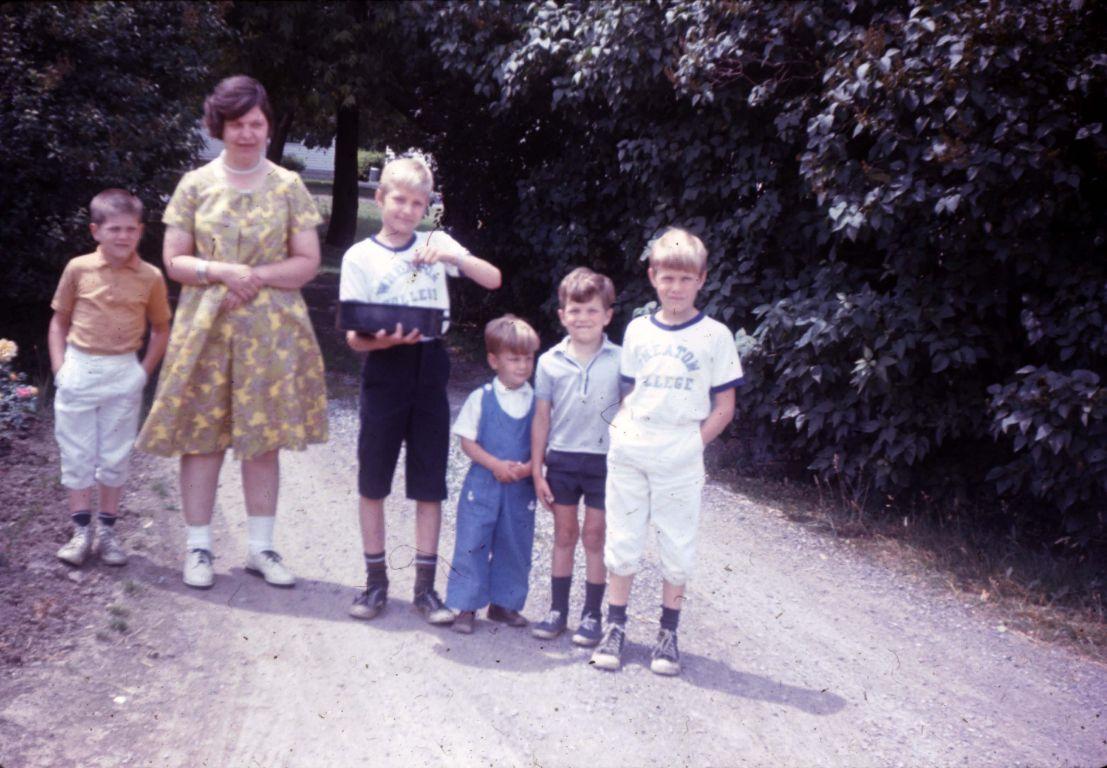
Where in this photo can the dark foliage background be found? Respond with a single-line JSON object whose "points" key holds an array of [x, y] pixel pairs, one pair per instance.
{"points": [[904, 201], [95, 95]]}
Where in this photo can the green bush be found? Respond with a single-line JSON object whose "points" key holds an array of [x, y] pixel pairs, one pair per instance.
{"points": [[366, 159], [903, 203], [293, 163], [96, 95]]}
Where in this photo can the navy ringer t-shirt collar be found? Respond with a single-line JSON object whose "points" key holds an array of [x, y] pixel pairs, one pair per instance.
{"points": [[401, 249], [653, 319]]}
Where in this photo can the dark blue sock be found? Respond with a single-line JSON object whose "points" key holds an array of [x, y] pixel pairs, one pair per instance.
{"points": [[425, 566], [593, 598], [106, 519], [82, 518], [559, 593], [616, 614], [376, 569], [670, 618]]}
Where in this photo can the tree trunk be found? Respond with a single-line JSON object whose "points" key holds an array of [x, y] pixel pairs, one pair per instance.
{"points": [[343, 226], [277, 141]]}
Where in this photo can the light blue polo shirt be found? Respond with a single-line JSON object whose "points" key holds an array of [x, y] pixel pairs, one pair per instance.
{"points": [[584, 399]]}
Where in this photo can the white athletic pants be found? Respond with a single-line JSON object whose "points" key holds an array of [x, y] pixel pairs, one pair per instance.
{"points": [[96, 411], [653, 475]]}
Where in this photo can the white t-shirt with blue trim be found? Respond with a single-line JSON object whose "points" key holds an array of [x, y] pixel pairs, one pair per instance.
{"points": [[676, 368], [380, 274]]}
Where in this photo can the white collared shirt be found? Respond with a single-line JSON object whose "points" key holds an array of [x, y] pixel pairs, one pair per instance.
{"points": [[515, 402]]}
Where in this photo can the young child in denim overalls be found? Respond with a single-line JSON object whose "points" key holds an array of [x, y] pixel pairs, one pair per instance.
{"points": [[495, 514]]}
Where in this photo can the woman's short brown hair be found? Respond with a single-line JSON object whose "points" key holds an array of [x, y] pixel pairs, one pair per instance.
{"points": [[233, 98]]}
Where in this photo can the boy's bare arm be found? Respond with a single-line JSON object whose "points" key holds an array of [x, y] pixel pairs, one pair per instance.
{"points": [[539, 437], [155, 348], [500, 469], [55, 340], [479, 271], [722, 412], [473, 267]]}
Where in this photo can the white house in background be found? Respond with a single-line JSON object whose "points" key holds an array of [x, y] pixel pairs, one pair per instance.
{"points": [[316, 161]]}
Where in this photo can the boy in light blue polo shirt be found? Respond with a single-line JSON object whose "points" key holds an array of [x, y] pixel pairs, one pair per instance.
{"points": [[576, 393]]}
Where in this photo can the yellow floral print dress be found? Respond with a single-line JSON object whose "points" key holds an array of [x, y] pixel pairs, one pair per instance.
{"points": [[249, 378]]}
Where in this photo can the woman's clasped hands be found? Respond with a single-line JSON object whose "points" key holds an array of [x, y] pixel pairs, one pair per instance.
{"points": [[243, 284]]}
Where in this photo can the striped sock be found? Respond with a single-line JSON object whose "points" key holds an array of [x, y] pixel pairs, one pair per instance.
{"points": [[376, 568], [425, 566]]}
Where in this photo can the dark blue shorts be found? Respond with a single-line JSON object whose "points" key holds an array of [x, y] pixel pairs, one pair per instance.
{"points": [[572, 475], [403, 400]]}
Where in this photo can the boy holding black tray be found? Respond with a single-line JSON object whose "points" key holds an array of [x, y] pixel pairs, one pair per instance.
{"points": [[403, 381]]}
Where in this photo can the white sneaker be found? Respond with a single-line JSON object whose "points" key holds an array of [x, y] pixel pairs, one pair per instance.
{"points": [[268, 565], [109, 549], [198, 570], [77, 548]]}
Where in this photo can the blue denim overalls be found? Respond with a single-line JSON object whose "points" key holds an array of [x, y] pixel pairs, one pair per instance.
{"points": [[495, 521]]}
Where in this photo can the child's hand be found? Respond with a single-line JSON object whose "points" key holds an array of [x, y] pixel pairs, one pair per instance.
{"points": [[504, 471], [543, 492], [397, 337], [432, 254], [522, 470]]}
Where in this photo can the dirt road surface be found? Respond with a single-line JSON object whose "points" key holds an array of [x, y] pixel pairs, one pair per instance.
{"points": [[796, 652]]}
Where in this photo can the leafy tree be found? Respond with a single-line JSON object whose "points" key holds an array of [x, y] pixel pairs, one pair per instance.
{"points": [[95, 95], [323, 65], [274, 43], [903, 202]]}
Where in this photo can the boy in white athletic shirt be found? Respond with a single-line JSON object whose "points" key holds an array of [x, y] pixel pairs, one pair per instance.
{"points": [[684, 367], [403, 381]]}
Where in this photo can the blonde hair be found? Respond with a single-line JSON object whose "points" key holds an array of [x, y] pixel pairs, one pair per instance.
{"points": [[409, 173], [114, 202], [583, 285], [510, 334], [678, 249]]}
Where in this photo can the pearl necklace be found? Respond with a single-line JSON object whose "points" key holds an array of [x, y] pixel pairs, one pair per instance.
{"points": [[239, 171]]}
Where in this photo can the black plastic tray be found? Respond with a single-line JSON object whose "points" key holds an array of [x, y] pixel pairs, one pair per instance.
{"points": [[365, 317]]}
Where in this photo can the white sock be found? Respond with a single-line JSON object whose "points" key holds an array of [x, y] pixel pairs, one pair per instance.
{"points": [[199, 537], [260, 532]]}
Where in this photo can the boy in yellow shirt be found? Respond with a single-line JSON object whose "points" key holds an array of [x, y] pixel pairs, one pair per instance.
{"points": [[103, 304]]}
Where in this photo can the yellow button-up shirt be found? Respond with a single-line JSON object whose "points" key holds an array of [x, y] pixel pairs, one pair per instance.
{"points": [[109, 307]]}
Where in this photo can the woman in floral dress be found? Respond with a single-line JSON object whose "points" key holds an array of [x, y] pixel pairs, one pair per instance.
{"points": [[243, 369]]}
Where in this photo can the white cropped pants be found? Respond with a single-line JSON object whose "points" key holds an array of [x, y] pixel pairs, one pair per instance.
{"points": [[96, 412], [653, 475]]}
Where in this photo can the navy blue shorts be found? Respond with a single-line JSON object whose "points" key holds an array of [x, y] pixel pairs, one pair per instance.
{"points": [[403, 400], [572, 475]]}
